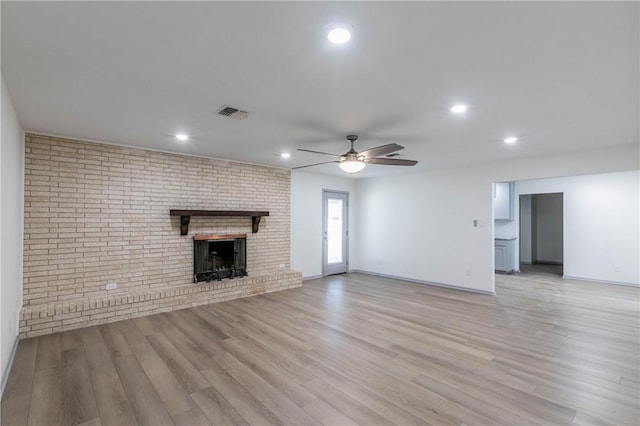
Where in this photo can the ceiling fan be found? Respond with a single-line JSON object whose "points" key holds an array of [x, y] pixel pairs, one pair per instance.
{"points": [[353, 161]]}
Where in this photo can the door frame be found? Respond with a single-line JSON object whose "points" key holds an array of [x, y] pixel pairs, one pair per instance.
{"points": [[326, 269]]}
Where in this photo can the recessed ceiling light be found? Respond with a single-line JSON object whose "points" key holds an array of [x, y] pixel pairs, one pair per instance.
{"points": [[339, 35], [182, 137], [285, 155], [511, 139], [459, 108]]}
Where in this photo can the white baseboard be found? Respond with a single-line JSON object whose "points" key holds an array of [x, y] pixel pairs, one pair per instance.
{"points": [[313, 277], [7, 370], [431, 283], [569, 277]]}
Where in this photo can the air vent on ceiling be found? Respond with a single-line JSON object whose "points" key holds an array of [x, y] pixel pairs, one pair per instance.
{"points": [[227, 111]]}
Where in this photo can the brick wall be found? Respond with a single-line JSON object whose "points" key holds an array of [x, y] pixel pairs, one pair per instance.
{"points": [[97, 214]]}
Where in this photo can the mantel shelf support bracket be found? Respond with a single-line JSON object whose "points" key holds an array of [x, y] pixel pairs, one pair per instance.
{"points": [[184, 224], [255, 223]]}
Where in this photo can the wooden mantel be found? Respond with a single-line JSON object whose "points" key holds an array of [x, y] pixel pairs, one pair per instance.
{"points": [[185, 217]]}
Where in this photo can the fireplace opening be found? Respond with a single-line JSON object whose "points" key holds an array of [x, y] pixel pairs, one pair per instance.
{"points": [[217, 257]]}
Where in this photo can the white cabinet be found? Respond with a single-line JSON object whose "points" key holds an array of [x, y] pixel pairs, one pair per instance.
{"points": [[502, 197], [505, 254]]}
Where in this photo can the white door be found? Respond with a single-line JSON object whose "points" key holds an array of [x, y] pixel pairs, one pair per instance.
{"points": [[335, 232]]}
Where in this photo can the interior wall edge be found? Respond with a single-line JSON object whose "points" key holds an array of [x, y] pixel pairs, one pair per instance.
{"points": [[312, 277], [12, 162], [6, 369], [422, 282], [592, 280]]}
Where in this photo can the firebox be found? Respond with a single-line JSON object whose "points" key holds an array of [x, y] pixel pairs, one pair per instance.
{"points": [[216, 257]]}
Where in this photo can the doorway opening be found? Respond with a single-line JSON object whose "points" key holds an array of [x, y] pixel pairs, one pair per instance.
{"points": [[335, 232], [541, 233]]}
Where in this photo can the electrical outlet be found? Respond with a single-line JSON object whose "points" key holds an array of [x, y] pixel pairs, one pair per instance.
{"points": [[111, 286], [468, 272], [618, 268]]}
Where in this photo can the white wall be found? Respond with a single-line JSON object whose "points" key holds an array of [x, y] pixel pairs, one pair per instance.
{"points": [[525, 228], [11, 227], [420, 225], [601, 230], [306, 220]]}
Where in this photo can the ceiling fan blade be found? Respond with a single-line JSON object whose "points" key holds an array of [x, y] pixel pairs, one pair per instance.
{"points": [[382, 150], [392, 161], [316, 164], [318, 152]]}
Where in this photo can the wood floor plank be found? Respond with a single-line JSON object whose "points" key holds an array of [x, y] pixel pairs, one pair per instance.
{"points": [[583, 419], [77, 391], [278, 403], [463, 416], [295, 342], [526, 405], [475, 403], [368, 398], [92, 422], [210, 322], [43, 385], [206, 341], [327, 415], [203, 325], [349, 349], [114, 341], [240, 398], [70, 340], [147, 405], [200, 359], [589, 404], [223, 322], [266, 347], [168, 388], [216, 408], [15, 410], [184, 371], [275, 376], [419, 401], [604, 389], [48, 353], [56, 409], [111, 398], [130, 332], [193, 417], [342, 402], [21, 376]]}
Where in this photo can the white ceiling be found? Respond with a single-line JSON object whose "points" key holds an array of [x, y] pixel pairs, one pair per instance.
{"points": [[561, 76]]}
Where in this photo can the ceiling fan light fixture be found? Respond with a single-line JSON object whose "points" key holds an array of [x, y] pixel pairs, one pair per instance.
{"points": [[352, 166]]}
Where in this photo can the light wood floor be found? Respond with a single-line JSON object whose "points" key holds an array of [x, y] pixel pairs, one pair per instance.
{"points": [[348, 349]]}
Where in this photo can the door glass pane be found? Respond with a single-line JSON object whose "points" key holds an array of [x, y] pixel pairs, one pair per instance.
{"points": [[334, 230]]}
